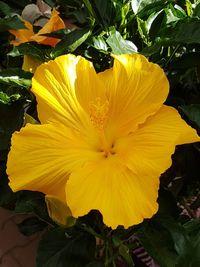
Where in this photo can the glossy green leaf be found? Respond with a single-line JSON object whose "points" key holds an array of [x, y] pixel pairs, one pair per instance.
{"points": [[99, 43], [143, 30], [119, 45], [189, 8], [138, 5], [149, 7], [71, 42], [186, 31], [157, 24], [16, 77], [37, 51], [103, 11]]}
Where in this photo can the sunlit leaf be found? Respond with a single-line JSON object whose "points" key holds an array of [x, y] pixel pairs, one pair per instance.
{"points": [[119, 45], [71, 42], [99, 43], [16, 77]]}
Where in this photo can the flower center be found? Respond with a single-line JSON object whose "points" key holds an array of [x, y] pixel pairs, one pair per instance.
{"points": [[98, 115]]}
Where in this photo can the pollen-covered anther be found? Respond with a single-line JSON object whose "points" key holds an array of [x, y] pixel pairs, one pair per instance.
{"points": [[98, 112]]}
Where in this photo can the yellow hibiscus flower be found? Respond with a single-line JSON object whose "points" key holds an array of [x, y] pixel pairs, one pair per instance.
{"points": [[27, 35], [104, 139]]}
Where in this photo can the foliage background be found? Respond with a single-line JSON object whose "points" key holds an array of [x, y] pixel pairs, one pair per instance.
{"points": [[168, 33]]}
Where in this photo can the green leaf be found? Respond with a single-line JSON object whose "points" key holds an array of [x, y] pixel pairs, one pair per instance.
{"points": [[148, 7], [151, 50], [158, 243], [170, 243], [197, 11], [16, 77], [60, 248], [29, 119], [4, 8], [143, 30], [32, 49], [186, 61], [19, 4], [11, 119], [11, 23], [70, 3], [31, 226], [189, 8], [186, 31], [71, 42], [125, 253], [89, 7], [99, 43], [103, 11], [95, 264], [50, 3], [157, 24], [32, 202], [192, 227], [8, 198], [196, 204], [136, 5], [192, 112], [174, 13], [119, 45], [8, 99]]}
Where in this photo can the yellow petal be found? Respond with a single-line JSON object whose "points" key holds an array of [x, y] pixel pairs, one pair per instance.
{"points": [[58, 210], [42, 156], [148, 150], [54, 86], [89, 88], [30, 63], [136, 89], [122, 197], [22, 35], [55, 23]]}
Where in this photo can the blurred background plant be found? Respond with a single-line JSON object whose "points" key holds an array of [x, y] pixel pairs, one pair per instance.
{"points": [[168, 33]]}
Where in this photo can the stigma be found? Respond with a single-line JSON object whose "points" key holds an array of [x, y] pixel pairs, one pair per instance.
{"points": [[99, 112], [98, 116]]}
